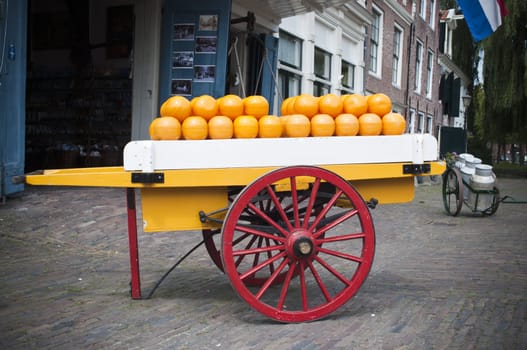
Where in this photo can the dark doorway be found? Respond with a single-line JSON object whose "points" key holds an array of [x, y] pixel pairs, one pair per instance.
{"points": [[79, 87]]}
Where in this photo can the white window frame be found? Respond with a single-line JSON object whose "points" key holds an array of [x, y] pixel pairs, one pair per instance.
{"points": [[322, 82], [292, 79], [326, 64], [291, 72], [349, 85], [420, 123], [432, 19], [376, 35], [411, 124], [422, 9], [297, 52], [429, 73], [397, 63], [429, 123], [418, 66]]}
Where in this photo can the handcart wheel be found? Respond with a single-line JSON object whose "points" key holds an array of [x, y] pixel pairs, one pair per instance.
{"points": [[211, 236], [452, 191], [212, 248], [308, 261], [495, 203]]}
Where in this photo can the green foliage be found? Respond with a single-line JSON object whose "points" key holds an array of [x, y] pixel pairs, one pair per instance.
{"points": [[478, 126], [506, 169], [505, 76], [480, 148]]}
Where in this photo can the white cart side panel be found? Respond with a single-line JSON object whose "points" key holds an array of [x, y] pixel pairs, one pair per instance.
{"points": [[147, 156]]}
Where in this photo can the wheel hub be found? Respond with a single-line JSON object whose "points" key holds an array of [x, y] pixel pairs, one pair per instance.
{"points": [[303, 247], [300, 244]]}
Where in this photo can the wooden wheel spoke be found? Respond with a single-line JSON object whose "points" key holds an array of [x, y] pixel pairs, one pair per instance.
{"points": [[341, 255], [258, 267], [319, 281], [257, 250], [256, 256], [247, 246], [325, 210], [332, 270], [278, 206], [341, 238], [269, 220], [271, 279], [285, 286], [252, 231], [339, 220], [303, 287], [311, 202], [294, 199], [269, 254], [241, 238]]}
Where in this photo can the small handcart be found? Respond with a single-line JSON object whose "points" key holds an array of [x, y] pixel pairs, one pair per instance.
{"points": [[458, 191], [287, 219]]}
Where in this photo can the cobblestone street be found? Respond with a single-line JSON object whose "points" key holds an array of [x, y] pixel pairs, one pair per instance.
{"points": [[437, 282]]}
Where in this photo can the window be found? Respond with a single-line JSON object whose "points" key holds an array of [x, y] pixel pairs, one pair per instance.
{"points": [[322, 85], [432, 18], [429, 123], [288, 83], [429, 73], [411, 125], [290, 50], [322, 64], [418, 67], [421, 122], [397, 54], [375, 42], [290, 59], [348, 75], [320, 88], [422, 8]]}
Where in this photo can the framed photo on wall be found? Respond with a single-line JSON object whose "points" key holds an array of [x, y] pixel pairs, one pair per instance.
{"points": [[204, 73], [184, 31], [208, 23], [181, 87], [183, 59], [206, 44]]}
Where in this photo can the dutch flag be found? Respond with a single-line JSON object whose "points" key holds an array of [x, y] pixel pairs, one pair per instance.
{"points": [[483, 17]]}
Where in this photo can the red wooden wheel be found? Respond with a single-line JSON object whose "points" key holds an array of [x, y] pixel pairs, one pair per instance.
{"points": [[307, 254], [212, 247]]}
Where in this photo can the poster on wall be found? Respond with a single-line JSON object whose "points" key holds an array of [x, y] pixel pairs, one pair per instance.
{"points": [[195, 43]]}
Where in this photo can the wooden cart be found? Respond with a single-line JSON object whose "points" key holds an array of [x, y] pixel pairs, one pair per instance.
{"points": [[287, 220]]}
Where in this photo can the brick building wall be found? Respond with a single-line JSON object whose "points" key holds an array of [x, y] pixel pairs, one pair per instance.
{"points": [[421, 109]]}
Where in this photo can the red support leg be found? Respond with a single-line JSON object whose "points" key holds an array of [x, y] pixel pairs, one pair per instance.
{"points": [[132, 241]]}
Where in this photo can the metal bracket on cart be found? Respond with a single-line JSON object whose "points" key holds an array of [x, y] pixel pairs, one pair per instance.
{"points": [[416, 169], [208, 217], [148, 178]]}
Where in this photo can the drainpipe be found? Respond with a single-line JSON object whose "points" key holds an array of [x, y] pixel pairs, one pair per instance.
{"points": [[409, 54]]}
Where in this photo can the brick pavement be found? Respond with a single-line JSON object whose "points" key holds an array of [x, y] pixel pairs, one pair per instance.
{"points": [[437, 282]]}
